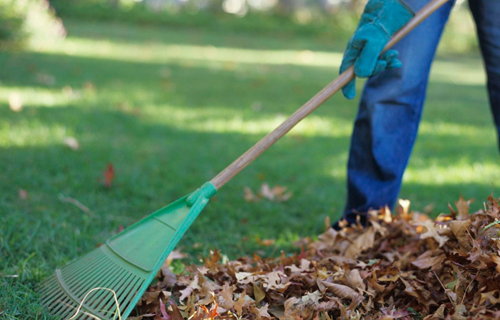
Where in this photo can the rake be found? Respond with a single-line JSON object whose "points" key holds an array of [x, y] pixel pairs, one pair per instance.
{"points": [[127, 263]]}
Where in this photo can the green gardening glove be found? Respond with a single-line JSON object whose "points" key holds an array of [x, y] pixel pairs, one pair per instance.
{"points": [[381, 19]]}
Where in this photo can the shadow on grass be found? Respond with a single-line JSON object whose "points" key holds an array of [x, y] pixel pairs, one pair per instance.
{"points": [[156, 164]]}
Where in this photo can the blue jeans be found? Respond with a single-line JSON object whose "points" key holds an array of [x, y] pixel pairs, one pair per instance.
{"points": [[391, 107]]}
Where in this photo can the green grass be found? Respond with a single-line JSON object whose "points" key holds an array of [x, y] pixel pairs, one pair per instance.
{"points": [[173, 107]]}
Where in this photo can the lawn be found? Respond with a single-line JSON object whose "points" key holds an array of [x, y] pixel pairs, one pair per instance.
{"points": [[170, 108]]}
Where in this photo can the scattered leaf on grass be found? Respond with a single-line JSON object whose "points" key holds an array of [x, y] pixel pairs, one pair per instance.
{"points": [[72, 143], [45, 79], [15, 102], [108, 176], [249, 196], [89, 87], [265, 242], [275, 194], [23, 194]]}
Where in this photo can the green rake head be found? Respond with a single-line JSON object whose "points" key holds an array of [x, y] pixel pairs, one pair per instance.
{"points": [[125, 265]]}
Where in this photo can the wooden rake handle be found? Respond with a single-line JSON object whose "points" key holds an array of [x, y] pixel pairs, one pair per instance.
{"points": [[265, 143]]}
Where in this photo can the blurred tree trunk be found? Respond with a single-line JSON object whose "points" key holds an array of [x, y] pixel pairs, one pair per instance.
{"points": [[114, 3], [284, 7], [356, 5], [215, 7]]}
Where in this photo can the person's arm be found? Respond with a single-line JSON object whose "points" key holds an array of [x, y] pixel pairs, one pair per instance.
{"points": [[381, 19]]}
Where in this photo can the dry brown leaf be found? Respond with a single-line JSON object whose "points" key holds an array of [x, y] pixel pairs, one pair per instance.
{"points": [[226, 297], [496, 259], [190, 288], [463, 207], [355, 280], [249, 196], [425, 261], [258, 293], [265, 242], [242, 275], [175, 255], [491, 297], [439, 314], [278, 311], [327, 239], [108, 176], [263, 312], [169, 278], [403, 209], [174, 312], [276, 194], [460, 231], [432, 232], [273, 280], [363, 242], [151, 297], [343, 291], [238, 305]]}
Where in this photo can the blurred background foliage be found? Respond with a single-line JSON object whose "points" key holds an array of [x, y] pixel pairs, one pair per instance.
{"points": [[326, 20], [22, 19]]}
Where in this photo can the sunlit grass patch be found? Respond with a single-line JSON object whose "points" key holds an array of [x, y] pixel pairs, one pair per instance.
{"points": [[157, 52], [436, 173], [234, 121], [39, 97], [465, 72], [33, 133]]}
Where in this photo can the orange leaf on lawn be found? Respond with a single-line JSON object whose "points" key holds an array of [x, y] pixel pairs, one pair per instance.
{"points": [[109, 176]]}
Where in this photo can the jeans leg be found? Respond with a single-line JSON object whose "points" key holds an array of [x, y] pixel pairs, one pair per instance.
{"points": [[387, 121], [486, 13]]}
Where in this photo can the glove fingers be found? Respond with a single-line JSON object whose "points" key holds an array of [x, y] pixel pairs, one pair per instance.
{"points": [[389, 55], [367, 61], [349, 90], [350, 56], [387, 60], [394, 64]]}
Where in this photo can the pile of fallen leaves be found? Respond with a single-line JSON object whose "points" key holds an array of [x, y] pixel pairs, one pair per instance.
{"points": [[402, 266]]}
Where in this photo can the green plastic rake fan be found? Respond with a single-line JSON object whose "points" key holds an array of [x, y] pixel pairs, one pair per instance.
{"points": [[126, 264]]}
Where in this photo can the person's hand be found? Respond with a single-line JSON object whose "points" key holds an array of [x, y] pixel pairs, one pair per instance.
{"points": [[381, 19]]}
